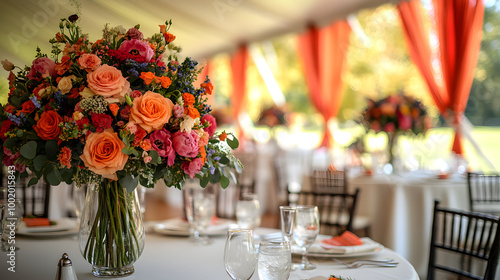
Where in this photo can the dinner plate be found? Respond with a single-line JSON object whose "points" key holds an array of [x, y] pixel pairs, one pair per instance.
{"points": [[180, 227], [65, 226], [317, 251]]}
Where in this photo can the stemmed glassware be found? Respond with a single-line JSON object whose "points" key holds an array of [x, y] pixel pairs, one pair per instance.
{"points": [[240, 255], [305, 231], [199, 208]]}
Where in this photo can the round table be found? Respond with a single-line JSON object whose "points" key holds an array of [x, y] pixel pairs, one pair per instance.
{"points": [[169, 257]]}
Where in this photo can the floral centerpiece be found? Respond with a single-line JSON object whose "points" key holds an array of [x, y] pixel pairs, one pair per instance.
{"points": [[394, 115], [113, 113]]}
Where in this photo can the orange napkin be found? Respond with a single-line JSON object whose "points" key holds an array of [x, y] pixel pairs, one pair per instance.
{"points": [[345, 239], [36, 222]]}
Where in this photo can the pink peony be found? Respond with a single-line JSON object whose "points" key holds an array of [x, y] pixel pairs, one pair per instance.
{"points": [[186, 144], [178, 111], [42, 67], [213, 124], [108, 82], [161, 141], [134, 33], [193, 167], [137, 47]]}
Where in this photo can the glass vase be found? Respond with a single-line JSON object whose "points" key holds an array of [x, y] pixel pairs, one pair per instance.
{"points": [[111, 236]]}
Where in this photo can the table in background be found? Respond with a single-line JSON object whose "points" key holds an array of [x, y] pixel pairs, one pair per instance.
{"points": [[400, 208], [176, 258]]}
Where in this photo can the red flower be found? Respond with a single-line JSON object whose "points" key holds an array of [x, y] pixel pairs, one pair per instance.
{"points": [[139, 136], [28, 107], [101, 121], [4, 128], [82, 122]]}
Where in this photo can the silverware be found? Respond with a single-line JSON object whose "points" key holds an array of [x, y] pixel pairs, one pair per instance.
{"points": [[359, 263]]}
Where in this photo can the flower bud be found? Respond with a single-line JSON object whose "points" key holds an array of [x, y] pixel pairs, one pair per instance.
{"points": [[7, 65]]}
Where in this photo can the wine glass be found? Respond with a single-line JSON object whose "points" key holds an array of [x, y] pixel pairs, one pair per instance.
{"points": [[248, 211], [199, 207], [306, 230], [240, 255], [275, 260], [287, 215], [11, 215]]}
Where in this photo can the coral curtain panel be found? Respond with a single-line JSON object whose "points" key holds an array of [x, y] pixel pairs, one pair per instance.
{"points": [[458, 26], [239, 69], [323, 52]]}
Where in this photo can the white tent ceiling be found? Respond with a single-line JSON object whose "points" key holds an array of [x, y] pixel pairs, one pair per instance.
{"points": [[203, 28]]}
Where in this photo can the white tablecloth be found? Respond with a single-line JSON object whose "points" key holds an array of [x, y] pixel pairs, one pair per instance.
{"points": [[175, 258], [400, 208]]}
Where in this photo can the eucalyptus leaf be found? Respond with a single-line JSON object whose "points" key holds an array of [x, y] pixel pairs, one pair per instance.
{"points": [[233, 143], [39, 161], [54, 177], [19, 133], [129, 183], [28, 150], [224, 182], [224, 160], [154, 156], [9, 143], [33, 181], [52, 150], [204, 181]]}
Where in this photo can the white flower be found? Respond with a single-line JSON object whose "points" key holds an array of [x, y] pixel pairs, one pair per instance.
{"points": [[66, 84], [48, 91], [87, 92], [188, 123]]}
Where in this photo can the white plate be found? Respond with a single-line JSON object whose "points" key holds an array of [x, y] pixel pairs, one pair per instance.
{"points": [[180, 227], [318, 252], [65, 226]]}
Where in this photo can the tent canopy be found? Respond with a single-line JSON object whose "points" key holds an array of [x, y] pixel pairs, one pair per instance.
{"points": [[202, 28]]}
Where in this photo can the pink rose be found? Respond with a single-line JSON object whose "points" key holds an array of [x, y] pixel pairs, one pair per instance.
{"points": [[107, 81], [186, 144], [193, 167], [139, 47], [161, 141], [42, 67], [89, 61], [213, 124], [134, 33], [178, 111]]}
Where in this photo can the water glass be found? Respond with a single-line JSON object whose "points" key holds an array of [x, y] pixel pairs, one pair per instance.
{"points": [[248, 211], [240, 255], [274, 261], [199, 207], [305, 231], [287, 214]]}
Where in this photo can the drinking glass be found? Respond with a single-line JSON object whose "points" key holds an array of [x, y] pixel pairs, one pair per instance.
{"points": [[248, 211], [199, 207], [305, 231], [287, 214], [274, 261], [11, 215], [240, 255]]}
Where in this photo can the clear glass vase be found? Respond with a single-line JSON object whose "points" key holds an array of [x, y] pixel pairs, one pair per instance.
{"points": [[111, 235]]}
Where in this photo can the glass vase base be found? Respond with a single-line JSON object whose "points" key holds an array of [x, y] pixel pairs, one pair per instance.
{"points": [[112, 271]]}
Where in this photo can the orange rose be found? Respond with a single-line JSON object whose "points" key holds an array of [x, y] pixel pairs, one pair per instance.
{"points": [[65, 157], [169, 37], [192, 112], [165, 82], [107, 81], [188, 99], [163, 28], [223, 136], [208, 86], [47, 126], [103, 155], [148, 77], [151, 111], [114, 109]]}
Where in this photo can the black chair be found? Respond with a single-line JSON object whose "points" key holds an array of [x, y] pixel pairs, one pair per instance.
{"points": [[471, 238], [336, 210], [35, 199], [484, 193], [225, 199]]}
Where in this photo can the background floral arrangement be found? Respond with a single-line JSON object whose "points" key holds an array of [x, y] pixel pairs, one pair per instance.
{"points": [[113, 109], [396, 114]]}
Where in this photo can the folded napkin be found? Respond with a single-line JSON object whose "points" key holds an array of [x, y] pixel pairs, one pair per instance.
{"points": [[367, 246], [347, 238], [36, 222], [59, 225]]}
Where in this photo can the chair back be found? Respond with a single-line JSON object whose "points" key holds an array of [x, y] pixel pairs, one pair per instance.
{"points": [[225, 199], [471, 238], [336, 210], [35, 199], [484, 193], [329, 181]]}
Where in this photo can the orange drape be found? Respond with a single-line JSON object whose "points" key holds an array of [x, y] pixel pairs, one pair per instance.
{"points": [[323, 53], [458, 25], [238, 97]]}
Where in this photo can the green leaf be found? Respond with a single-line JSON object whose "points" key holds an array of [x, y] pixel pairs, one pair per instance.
{"points": [[127, 150], [52, 150], [154, 156], [54, 176], [224, 182], [216, 176], [9, 143], [19, 133], [28, 150], [224, 160], [129, 183], [39, 161], [33, 181], [204, 181], [233, 143]]}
